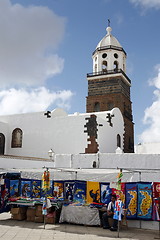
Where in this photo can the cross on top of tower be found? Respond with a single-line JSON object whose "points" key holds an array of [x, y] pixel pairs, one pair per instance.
{"points": [[109, 29], [109, 22]]}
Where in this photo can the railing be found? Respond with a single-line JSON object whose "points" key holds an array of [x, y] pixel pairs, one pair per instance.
{"points": [[109, 47], [107, 72]]}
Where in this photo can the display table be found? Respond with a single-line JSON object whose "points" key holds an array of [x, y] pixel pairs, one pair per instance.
{"points": [[80, 215], [31, 203]]}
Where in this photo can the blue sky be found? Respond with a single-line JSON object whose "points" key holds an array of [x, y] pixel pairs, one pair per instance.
{"points": [[46, 51]]}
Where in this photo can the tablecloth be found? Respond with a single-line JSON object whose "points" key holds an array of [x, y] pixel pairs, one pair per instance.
{"points": [[80, 215]]}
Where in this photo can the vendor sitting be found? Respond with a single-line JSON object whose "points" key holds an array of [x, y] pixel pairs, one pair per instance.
{"points": [[109, 214]]}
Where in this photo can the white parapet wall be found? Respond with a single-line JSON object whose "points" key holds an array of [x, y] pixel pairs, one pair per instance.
{"points": [[86, 161]]}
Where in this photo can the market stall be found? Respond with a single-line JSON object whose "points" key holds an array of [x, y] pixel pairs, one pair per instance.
{"points": [[88, 189]]}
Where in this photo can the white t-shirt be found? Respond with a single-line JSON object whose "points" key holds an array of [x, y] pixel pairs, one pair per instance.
{"points": [[110, 206]]}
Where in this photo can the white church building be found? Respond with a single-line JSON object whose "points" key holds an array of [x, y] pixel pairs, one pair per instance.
{"points": [[33, 134]]}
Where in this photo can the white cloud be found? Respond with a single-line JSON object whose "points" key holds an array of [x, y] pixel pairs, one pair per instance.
{"points": [[14, 101], [147, 3], [29, 37], [152, 114]]}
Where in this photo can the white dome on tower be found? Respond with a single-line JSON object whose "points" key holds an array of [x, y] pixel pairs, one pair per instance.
{"points": [[109, 40], [109, 55]]}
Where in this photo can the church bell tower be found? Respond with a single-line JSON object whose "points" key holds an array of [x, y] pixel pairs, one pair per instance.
{"points": [[109, 86]]}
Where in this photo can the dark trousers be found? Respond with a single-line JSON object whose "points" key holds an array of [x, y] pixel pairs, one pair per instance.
{"points": [[105, 222]]}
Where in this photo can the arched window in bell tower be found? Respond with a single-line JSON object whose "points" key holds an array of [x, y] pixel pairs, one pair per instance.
{"points": [[97, 107], [95, 68], [118, 140], [115, 65], [104, 66]]}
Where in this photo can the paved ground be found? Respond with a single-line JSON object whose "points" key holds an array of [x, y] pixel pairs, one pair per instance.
{"points": [[16, 230]]}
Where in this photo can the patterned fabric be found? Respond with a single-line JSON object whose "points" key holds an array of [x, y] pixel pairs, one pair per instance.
{"points": [[47, 192], [26, 188], [119, 178], [69, 190], [36, 188], [44, 207], [156, 209], [4, 196], [156, 189], [46, 180], [14, 188], [156, 202], [144, 200], [118, 209], [58, 189], [80, 192], [93, 192], [120, 193], [106, 192], [131, 200]]}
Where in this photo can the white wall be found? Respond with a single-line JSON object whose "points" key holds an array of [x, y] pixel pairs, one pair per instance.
{"points": [[63, 133], [149, 148], [13, 163], [130, 161]]}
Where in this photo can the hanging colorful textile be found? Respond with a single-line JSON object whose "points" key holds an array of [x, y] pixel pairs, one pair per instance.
{"points": [[47, 193], [26, 188], [80, 192], [46, 184], [58, 190], [120, 193], [144, 200], [156, 189], [156, 201], [119, 179], [156, 209], [69, 190], [44, 207], [14, 188], [4, 196], [106, 192], [118, 209], [131, 200], [46, 180], [93, 192], [36, 188]]}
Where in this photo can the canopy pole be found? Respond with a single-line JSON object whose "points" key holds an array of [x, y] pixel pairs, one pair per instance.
{"points": [[140, 178]]}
